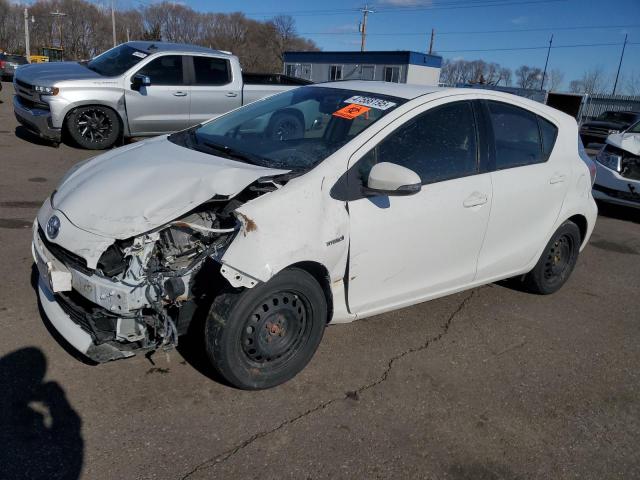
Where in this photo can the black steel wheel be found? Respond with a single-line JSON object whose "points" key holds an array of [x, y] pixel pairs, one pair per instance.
{"points": [[263, 336], [556, 262], [93, 127]]}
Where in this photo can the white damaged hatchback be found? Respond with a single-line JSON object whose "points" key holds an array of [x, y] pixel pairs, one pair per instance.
{"points": [[326, 203]]}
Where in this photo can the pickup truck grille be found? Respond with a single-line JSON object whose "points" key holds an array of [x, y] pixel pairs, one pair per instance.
{"points": [[28, 97], [70, 259], [24, 85]]}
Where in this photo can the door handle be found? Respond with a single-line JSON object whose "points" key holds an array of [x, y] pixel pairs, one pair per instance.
{"points": [[180, 94], [557, 178], [231, 94], [475, 199]]}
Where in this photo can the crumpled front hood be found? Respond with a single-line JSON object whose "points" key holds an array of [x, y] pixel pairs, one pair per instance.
{"points": [[48, 73], [137, 188], [626, 141]]}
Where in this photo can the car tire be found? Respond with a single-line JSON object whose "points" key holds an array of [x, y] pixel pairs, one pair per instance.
{"points": [[94, 127], [557, 261], [260, 337], [285, 125]]}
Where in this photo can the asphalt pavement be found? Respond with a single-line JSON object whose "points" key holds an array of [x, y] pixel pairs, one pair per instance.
{"points": [[491, 383]]}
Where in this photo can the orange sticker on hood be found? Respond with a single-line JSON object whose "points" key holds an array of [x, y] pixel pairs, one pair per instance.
{"points": [[351, 111]]}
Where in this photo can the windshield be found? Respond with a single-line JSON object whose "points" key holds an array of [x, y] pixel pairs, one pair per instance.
{"points": [[635, 128], [17, 59], [116, 61], [294, 130], [620, 117]]}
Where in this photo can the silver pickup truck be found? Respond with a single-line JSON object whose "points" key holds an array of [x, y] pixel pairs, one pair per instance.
{"points": [[133, 90]]}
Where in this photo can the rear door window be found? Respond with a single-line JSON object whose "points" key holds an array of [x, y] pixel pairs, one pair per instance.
{"points": [[516, 134], [211, 71], [166, 70]]}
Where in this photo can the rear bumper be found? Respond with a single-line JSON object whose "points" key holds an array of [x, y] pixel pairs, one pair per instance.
{"points": [[36, 120]]}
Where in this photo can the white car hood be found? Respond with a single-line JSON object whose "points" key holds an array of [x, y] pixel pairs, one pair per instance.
{"points": [[137, 188], [626, 141]]}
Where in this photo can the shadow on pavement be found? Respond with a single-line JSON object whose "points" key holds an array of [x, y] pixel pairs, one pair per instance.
{"points": [[24, 134], [619, 212], [40, 432]]}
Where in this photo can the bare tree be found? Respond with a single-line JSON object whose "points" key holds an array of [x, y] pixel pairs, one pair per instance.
{"points": [[528, 77], [632, 83], [553, 80], [594, 80], [462, 71], [85, 30]]}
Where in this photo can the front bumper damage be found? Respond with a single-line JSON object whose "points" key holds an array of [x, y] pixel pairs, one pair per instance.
{"points": [[109, 318]]}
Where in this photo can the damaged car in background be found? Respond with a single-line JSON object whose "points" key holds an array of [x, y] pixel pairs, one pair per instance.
{"points": [[618, 177], [319, 205]]}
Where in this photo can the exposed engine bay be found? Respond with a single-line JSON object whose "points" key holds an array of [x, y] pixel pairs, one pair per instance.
{"points": [[145, 290]]}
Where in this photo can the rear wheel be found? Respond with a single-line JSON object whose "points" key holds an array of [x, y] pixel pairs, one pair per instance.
{"points": [[263, 336], [557, 261], [93, 127]]}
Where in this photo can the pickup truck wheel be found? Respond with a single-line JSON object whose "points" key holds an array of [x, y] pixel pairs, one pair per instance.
{"points": [[285, 125], [93, 127], [556, 262], [261, 337]]}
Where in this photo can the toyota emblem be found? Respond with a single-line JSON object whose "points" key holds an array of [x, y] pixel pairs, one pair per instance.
{"points": [[53, 227]]}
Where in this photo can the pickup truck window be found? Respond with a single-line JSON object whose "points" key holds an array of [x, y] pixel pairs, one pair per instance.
{"points": [[166, 70], [116, 61], [294, 130], [211, 71]]}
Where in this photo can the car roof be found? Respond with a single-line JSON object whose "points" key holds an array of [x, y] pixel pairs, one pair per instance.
{"points": [[402, 90], [153, 47]]}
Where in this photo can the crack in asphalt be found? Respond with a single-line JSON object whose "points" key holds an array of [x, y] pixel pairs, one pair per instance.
{"points": [[351, 394]]}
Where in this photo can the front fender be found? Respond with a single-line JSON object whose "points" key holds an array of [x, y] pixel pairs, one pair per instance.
{"points": [[298, 223]]}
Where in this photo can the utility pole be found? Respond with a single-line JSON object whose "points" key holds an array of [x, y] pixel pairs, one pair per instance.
{"points": [[57, 14], [363, 26], [433, 34], [26, 36], [113, 23], [544, 74], [128, 34], [615, 84]]}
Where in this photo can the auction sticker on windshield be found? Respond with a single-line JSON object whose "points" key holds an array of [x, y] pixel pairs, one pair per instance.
{"points": [[351, 111], [373, 102], [139, 54]]}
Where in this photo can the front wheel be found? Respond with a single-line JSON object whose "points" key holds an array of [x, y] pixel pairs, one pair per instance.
{"points": [[557, 261], [263, 336], [93, 127]]}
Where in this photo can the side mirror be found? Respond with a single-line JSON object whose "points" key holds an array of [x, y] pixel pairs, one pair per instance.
{"points": [[391, 179], [138, 81]]}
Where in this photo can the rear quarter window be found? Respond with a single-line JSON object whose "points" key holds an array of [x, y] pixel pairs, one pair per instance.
{"points": [[549, 133], [516, 134]]}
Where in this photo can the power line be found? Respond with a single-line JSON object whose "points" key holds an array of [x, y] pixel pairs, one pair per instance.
{"points": [[475, 32], [410, 9], [543, 47]]}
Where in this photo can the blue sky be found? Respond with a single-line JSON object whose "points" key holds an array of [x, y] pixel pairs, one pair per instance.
{"points": [[559, 14]]}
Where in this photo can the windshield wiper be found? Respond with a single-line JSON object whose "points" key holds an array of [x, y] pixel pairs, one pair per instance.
{"points": [[231, 153]]}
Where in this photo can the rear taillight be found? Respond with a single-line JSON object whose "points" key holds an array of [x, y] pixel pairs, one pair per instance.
{"points": [[587, 159], [2, 63]]}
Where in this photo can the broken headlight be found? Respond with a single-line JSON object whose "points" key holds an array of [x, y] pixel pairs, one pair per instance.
{"points": [[610, 159]]}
